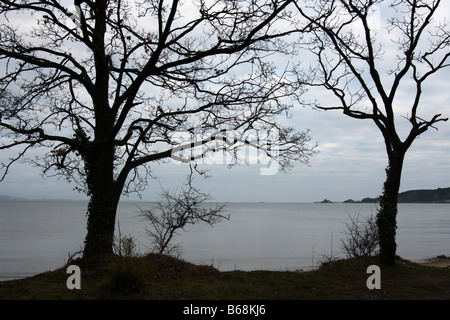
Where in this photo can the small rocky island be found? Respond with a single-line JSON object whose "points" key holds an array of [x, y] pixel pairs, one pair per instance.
{"points": [[439, 195]]}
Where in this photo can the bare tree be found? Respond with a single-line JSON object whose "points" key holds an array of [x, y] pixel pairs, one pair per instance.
{"points": [[104, 87], [350, 52], [361, 236], [175, 211]]}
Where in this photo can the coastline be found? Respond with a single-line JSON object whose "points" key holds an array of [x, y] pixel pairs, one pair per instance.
{"points": [[439, 262]]}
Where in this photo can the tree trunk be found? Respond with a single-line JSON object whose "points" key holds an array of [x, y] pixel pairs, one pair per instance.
{"points": [[387, 214], [103, 202]]}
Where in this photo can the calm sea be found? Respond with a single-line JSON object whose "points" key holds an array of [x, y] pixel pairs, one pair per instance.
{"points": [[37, 236]]}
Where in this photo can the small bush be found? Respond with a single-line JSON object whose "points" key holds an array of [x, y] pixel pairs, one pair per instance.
{"points": [[175, 211], [125, 246], [361, 237]]}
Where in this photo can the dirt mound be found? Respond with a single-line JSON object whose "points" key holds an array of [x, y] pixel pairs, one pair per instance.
{"points": [[170, 268]]}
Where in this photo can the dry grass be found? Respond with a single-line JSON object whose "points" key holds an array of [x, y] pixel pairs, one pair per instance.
{"points": [[158, 276]]}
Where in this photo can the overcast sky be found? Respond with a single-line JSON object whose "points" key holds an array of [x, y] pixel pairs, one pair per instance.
{"points": [[350, 163]]}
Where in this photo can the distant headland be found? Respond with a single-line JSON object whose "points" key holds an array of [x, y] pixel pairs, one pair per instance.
{"points": [[439, 195]]}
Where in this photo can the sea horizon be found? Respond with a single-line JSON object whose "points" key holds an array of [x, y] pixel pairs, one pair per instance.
{"points": [[38, 235]]}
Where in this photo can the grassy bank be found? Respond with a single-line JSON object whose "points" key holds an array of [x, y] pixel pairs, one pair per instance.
{"points": [[163, 277]]}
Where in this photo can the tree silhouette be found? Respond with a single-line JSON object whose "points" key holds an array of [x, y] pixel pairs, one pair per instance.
{"points": [[175, 211], [105, 86], [350, 50]]}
